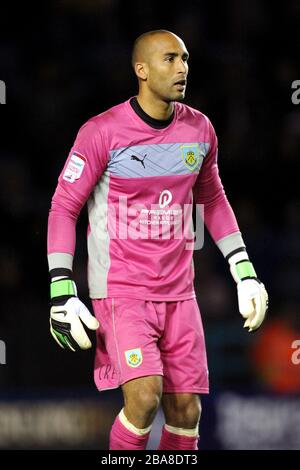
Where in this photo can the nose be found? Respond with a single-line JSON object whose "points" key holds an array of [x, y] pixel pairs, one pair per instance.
{"points": [[182, 66]]}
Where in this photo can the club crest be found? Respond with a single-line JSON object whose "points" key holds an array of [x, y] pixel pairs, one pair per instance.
{"points": [[191, 156], [134, 357]]}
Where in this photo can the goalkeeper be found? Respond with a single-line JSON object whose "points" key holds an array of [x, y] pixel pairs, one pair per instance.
{"points": [[138, 166]]}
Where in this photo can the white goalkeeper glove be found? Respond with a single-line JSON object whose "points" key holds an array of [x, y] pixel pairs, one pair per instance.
{"points": [[67, 316], [252, 295]]}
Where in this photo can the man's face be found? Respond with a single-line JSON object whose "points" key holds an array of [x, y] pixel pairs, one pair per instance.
{"points": [[167, 68]]}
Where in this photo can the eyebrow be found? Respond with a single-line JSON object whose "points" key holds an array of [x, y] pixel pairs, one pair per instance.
{"points": [[175, 54]]}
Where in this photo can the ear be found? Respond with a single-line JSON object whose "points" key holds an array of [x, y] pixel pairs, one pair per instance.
{"points": [[141, 70]]}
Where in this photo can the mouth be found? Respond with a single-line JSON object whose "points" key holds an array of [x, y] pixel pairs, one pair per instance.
{"points": [[180, 84]]}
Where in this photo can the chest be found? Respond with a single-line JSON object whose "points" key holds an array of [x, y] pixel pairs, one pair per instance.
{"points": [[164, 159]]}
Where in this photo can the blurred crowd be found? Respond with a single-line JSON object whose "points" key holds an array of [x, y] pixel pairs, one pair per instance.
{"points": [[70, 60]]}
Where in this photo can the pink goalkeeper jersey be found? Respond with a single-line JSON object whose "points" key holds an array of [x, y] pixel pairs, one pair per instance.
{"points": [[140, 183]]}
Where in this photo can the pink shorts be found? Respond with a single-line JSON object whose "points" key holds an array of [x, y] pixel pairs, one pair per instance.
{"points": [[139, 338]]}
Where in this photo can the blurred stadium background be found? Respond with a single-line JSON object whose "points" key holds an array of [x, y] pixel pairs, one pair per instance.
{"points": [[65, 61]]}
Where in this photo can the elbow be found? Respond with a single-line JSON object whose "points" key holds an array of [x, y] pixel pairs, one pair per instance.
{"points": [[60, 210]]}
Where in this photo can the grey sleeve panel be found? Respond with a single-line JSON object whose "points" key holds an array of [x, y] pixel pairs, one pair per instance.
{"points": [[230, 242], [60, 260]]}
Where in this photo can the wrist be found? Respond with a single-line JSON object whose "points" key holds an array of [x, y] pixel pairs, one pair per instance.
{"points": [[241, 267], [62, 289], [60, 273]]}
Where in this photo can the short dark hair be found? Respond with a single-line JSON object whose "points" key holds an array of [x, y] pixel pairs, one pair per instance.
{"points": [[140, 38]]}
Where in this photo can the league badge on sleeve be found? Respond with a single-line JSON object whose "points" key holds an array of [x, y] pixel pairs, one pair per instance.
{"points": [[74, 167]]}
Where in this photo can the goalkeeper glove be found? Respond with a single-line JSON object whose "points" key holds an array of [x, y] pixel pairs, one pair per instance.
{"points": [[252, 295], [67, 315]]}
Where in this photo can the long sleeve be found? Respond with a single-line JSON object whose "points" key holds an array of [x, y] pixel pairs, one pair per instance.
{"points": [[219, 217], [84, 166]]}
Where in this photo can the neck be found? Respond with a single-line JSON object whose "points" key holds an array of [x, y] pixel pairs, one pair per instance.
{"points": [[154, 106]]}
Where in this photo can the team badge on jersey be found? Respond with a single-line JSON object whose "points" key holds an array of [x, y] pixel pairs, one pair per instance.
{"points": [[191, 156], [134, 357], [74, 167]]}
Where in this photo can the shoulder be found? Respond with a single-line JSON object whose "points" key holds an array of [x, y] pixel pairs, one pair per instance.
{"points": [[99, 127], [108, 117], [195, 117]]}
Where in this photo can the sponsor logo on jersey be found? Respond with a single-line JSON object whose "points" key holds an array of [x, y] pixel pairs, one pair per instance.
{"points": [[134, 157], [165, 198], [134, 357], [191, 156], [74, 167]]}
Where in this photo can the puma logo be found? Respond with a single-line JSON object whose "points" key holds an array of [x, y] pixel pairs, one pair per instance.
{"points": [[134, 157]]}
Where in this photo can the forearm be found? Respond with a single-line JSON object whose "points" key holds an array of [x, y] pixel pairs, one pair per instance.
{"points": [[221, 223], [61, 234], [61, 238], [223, 227]]}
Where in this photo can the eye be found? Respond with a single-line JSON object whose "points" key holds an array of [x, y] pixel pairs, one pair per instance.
{"points": [[170, 59]]}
